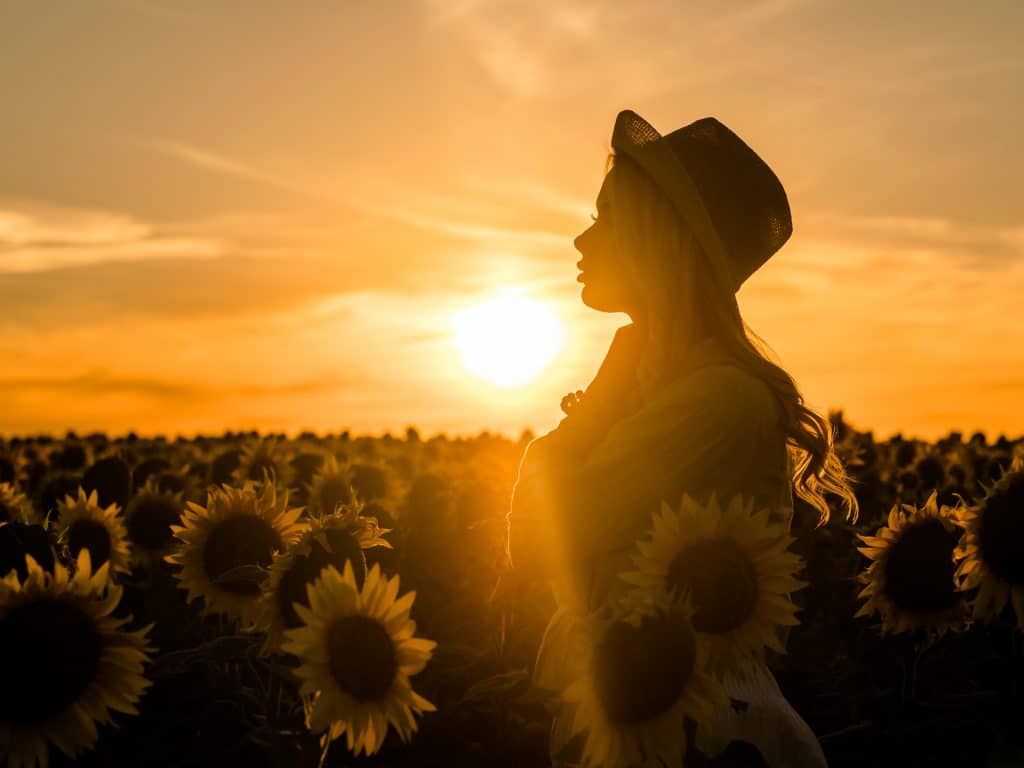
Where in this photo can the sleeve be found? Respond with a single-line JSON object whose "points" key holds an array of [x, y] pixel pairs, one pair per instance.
{"points": [[702, 434]]}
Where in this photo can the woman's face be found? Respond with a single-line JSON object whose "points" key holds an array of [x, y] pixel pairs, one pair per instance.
{"points": [[606, 285]]}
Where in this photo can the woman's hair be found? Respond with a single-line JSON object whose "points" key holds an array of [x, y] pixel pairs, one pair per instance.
{"points": [[682, 305]]}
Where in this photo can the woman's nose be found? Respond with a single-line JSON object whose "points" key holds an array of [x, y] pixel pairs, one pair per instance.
{"points": [[580, 238]]}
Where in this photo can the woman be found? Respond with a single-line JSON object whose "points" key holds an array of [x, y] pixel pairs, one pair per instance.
{"points": [[685, 401]]}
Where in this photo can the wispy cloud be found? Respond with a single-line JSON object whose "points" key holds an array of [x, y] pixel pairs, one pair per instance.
{"points": [[218, 162], [101, 383], [40, 238]]}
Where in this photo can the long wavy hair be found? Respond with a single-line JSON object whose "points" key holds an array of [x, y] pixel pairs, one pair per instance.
{"points": [[683, 305]]}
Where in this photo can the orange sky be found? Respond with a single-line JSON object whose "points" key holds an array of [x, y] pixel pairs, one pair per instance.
{"points": [[228, 215]]}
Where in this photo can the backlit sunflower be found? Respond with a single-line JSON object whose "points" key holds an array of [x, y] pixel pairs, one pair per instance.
{"points": [[331, 486], [991, 554], [642, 669], [15, 506], [66, 662], [263, 458], [148, 520], [910, 581], [357, 651], [83, 524], [737, 568], [226, 546], [331, 540]]}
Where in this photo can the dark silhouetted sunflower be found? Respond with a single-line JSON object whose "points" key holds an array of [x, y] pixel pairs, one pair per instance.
{"points": [[148, 521], [331, 486], [991, 555], [357, 651], [226, 546], [83, 524], [264, 458], [910, 581], [641, 670], [66, 662], [735, 565], [332, 540]]}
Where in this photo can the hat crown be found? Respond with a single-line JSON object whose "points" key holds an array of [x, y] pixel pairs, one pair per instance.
{"points": [[743, 198]]}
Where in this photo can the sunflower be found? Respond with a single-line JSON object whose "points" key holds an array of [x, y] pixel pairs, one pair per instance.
{"points": [[14, 505], [56, 690], [83, 524], [736, 566], [910, 581], [20, 539], [357, 651], [991, 554], [261, 459], [331, 486], [148, 520], [330, 540], [642, 670], [225, 545]]}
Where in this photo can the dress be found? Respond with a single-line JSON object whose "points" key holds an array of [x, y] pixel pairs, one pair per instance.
{"points": [[586, 490]]}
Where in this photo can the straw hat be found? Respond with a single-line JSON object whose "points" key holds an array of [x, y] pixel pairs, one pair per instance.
{"points": [[726, 194]]}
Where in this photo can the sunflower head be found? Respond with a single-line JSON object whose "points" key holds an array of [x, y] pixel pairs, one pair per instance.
{"points": [[331, 487], [226, 546], [910, 580], [263, 460], [641, 671], [357, 651], [331, 540], [149, 519], [64, 689], [734, 565], [993, 547], [84, 524], [111, 479]]}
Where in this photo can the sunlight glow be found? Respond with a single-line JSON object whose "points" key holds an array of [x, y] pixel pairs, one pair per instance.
{"points": [[509, 340]]}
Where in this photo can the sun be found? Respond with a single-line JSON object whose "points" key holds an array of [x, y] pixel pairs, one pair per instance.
{"points": [[508, 340]]}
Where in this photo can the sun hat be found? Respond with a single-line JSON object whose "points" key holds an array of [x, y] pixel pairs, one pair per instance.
{"points": [[725, 193]]}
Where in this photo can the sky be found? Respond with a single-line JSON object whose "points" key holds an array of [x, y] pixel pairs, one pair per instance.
{"points": [[234, 215]]}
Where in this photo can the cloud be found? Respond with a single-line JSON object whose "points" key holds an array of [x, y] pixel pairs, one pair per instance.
{"points": [[100, 383], [217, 162], [37, 237]]}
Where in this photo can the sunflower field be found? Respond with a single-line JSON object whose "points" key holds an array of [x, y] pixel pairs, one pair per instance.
{"points": [[342, 600]]}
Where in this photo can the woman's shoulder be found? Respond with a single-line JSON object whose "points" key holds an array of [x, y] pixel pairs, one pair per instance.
{"points": [[724, 389]]}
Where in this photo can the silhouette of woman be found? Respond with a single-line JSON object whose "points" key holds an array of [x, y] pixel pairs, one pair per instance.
{"points": [[686, 400]]}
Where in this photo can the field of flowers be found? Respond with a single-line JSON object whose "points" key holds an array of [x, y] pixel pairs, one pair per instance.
{"points": [[259, 600]]}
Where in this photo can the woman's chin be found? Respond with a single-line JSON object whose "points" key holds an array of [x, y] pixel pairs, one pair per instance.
{"points": [[595, 300]]}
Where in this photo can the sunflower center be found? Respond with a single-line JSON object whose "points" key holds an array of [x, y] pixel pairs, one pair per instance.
{"points": [[236, 542], [722, 582], [334, 490], [919, 568], [92, 535], [362, 657], [44, 672], [640, 672], [150, 521], [1001, 532]]}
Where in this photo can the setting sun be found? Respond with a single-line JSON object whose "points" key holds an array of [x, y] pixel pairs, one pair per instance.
{"points": [[509, 340]]}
